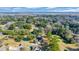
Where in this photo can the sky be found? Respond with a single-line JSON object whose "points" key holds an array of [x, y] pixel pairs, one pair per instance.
{"points": [[39, 3], [34, 4], [39, 9]]}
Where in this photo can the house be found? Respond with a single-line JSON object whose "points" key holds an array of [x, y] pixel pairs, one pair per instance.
{"points": [[1, 33], [7, 25], [76, 38]]}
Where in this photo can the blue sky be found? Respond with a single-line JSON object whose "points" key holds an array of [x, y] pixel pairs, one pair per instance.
{"points": [[39, 9]]}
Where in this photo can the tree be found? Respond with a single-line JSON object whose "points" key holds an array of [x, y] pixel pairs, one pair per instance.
{"points": [[9, 32], [18, 38], [30, 36], [49, 34], [12, 26], [27, 26], [21, 32], [53, 44]]}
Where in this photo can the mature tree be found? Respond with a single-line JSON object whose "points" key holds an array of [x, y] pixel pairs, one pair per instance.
{"points": [[12, 26], [27, 26], [53, 45]]}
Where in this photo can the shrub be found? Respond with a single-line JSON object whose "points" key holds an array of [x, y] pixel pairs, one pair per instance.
{"points": [[18, 38]]}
